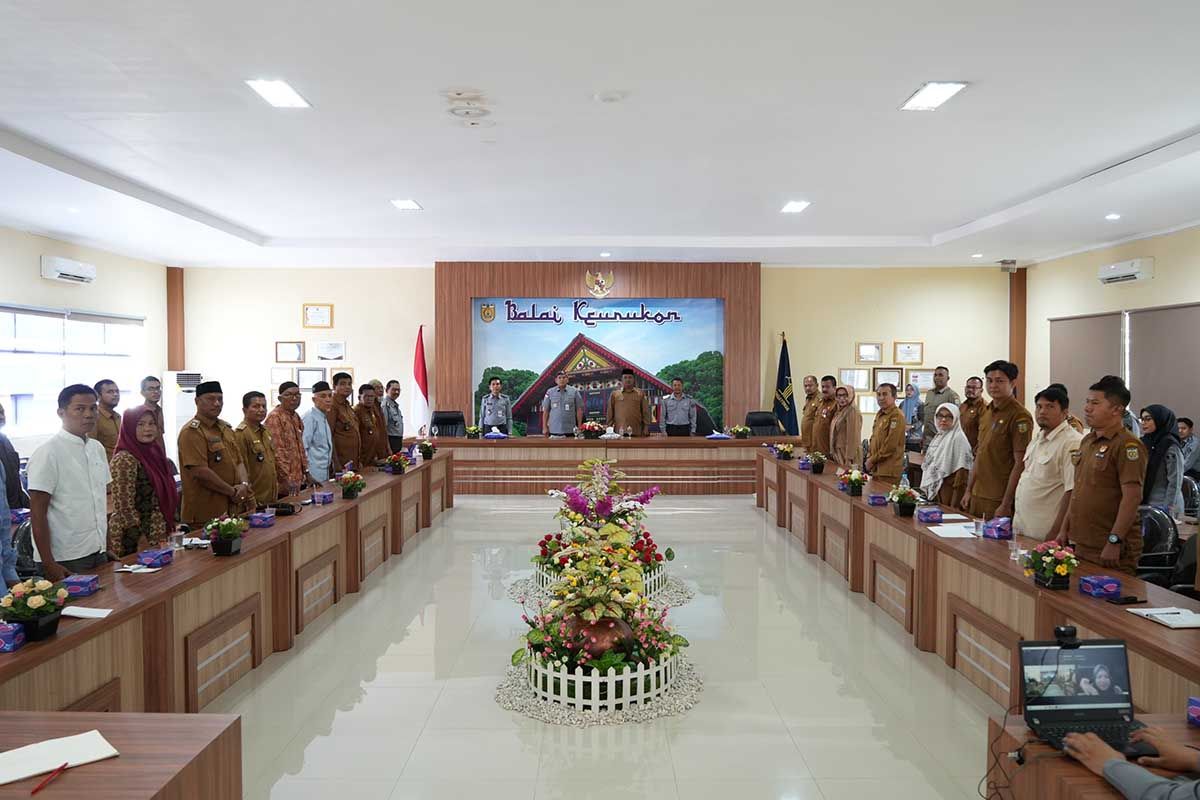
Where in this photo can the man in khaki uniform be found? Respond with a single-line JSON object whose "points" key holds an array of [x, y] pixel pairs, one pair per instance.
{"points": [[343, 422], [971, 410], [823, 419], [808, 415], [629, 408], [258, 449], [372, 428], [1004, 433], [108, 421], [214, 479], [885, 455], [1110, 468]]}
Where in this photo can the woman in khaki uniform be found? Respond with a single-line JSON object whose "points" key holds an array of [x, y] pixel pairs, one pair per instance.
{"points": [[846, 430]]}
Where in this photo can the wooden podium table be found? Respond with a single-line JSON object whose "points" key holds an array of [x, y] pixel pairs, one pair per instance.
{"points": [[1048, 774], [163, 756]]}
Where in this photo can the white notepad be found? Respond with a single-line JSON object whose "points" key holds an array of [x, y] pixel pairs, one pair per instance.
{"points": [[42, 757], [83, 612], [1171, 617], [954, 531]]}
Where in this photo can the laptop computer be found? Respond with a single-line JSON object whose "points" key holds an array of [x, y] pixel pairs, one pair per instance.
{"points": [[1082, 689]]}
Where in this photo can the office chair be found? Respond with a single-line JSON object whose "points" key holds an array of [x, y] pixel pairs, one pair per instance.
{"points": [[22, 540], [1180, 577], [1191, 497], [1160, 547], [704, 423], [866, 450], [763, 423], [449, 423]]}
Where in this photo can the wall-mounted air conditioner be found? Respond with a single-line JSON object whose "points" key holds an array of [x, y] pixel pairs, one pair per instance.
{"points": [[1138, 269], [57, 268]]}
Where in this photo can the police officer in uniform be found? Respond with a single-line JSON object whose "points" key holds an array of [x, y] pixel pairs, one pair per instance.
{"points": [[257, 449], [344, 424], [495, 410], [214, 479], [678, 411], [1110, 468], [562, 408], [1005, 429]]}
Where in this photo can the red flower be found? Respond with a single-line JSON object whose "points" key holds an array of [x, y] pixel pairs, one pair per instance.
{"points": [[563, 560], [658, 557]]}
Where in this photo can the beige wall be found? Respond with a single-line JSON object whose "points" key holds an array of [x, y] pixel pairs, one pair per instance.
{"points": [[960, 314], [1068, 287], [234, 317], [123, 285]]}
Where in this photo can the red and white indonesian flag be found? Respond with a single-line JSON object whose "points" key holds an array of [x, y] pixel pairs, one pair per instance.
{"points": [[418, 408]]}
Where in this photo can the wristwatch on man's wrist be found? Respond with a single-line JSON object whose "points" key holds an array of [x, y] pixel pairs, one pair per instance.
{"points": [[1114, 539]]}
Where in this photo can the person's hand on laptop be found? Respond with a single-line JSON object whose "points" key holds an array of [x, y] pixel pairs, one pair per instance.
{"points": [[1172, 755], [1090, 750]]}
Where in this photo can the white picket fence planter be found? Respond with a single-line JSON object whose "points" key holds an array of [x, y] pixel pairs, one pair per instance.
{"points": [[591, 690], [652, 580]]}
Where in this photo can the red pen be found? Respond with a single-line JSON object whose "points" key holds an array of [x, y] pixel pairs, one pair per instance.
{"points": [[49, 778]]}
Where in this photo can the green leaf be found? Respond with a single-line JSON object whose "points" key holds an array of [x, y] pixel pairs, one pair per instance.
{"points": [[679, 641], [669, 554], [615, 611], [535, 636], [518, 656], [590, 614]]}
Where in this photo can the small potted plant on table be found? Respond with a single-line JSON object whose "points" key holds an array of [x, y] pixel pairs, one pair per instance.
{"points": [[473, 431], [225, 535], [352, 483], [816, 460], [427, 449], [905, 499], [855, 480], [396, 463], [1050, 565], [783, 451], [37, 605], [740, 432], [591, 429]]}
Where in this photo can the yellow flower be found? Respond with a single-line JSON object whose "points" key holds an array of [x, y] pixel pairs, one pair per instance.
{"points": [[37, 601], [42, 585], [1061, 569], [6, 601], [63, 593], [1028, 572], [554, 604]]}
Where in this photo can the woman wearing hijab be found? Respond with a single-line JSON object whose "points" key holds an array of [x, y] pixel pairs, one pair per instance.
{"points": [[948, 459], [1164, 471], [911, 404], [144, 499], [846, 429]]}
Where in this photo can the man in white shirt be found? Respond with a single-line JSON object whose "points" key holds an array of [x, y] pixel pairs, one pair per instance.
{"points": [[1044, 490], [68, 484]]}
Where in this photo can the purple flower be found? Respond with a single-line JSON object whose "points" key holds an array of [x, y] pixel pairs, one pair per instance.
{"points": [[604, 507]]}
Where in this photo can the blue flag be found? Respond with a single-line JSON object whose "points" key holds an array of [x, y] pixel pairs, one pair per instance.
{"points": [[785, 405]]}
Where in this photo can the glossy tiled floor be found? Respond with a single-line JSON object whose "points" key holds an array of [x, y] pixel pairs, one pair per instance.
{"points": [[810, 692]]}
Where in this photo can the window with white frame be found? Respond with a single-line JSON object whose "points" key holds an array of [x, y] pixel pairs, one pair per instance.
{"points": [[42, 350]]}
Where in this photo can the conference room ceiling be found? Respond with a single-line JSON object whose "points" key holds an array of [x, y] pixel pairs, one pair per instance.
{"points": [[129, 126]]}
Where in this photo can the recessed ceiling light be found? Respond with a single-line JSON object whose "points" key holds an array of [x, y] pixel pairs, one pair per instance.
{"points": [[795, 207], [278, 94], [976, 255], [1112, 217], [605, 254], [932, 95], [407, 205]]}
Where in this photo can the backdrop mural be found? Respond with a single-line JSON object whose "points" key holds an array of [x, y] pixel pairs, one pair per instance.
{"points": [[525, 341]]}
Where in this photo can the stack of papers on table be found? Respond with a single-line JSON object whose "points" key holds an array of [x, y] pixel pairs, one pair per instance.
{"points": [[42, 757], [963, 530], [1171, 617]]}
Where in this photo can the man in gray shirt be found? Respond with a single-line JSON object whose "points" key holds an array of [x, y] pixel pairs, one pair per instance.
{"points": [[678, 412], [393, 417], [495, 409], [940, 393], [562, 408]]}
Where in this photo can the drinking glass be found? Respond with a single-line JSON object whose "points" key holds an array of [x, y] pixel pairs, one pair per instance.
{"points": [[434, 430]]}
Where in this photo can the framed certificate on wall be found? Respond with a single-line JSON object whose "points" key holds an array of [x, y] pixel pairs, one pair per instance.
{"points": [[317, 315], [921, 378], [889, 375], [859, 378], [868, 352], [908, 353]]}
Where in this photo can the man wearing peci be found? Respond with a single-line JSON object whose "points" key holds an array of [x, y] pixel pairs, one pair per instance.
{"points": [[629, 408], [885, 455], [318, 436], [495, 409], [257, 449], [678, 411], [562, 408], [214, 477], [940, 393], [1004, 433], [823, 421], [287, 434], [347, 444], [808, 414]]}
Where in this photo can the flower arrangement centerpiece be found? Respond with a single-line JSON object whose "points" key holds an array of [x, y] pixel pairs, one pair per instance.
{"points": [[1050, 565], [427, 449], [37, 604], [473, 431], [816, 460], [352, 483], [740, 431], [591, 429], [599, 621], [396, 463], [783, 451], [854, 479], [225, 534], [905, 499]]}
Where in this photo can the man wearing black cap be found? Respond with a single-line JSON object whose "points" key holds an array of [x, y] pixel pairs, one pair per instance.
{"points": [[287, 431], [214, 478]]}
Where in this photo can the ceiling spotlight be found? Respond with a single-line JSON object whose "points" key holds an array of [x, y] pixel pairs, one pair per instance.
{"points": [[407, 205], [976, 255], [610, 96], [465, 111], [605, 254], [795, 207], [462, 93], [930, 96], [278, 94], [478, 123], [1112, 217]]}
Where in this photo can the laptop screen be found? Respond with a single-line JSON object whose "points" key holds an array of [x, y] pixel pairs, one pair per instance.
{"points": [[1093, 676]]}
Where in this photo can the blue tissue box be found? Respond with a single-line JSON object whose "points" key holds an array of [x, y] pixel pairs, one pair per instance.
{"points": [[261, 519], [998, 528], [159, 557], [1100, 585], [930, 515], [18, 515], [804, 463], [81, 585], [12, 636], [1193, 713], [877, 500], [322, 498]]}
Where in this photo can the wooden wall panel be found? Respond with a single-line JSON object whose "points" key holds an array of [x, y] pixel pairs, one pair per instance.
{"points": [[456, 282], [176, 350], [1017, 303]]}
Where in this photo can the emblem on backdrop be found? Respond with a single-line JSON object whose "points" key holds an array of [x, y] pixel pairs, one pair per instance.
{"points": [[487, 312], [599, 285]]}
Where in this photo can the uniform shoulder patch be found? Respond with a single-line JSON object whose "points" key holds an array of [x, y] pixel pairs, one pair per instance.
{"points": [[194, 423], [1022, 427], [1132, 452], [241, 426]]}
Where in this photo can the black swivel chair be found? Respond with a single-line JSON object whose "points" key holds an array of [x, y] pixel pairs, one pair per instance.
{"points": [[1161, 550], [449, 423], [763, 423], [704, 423], [1191, 497], [22, 540]]}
